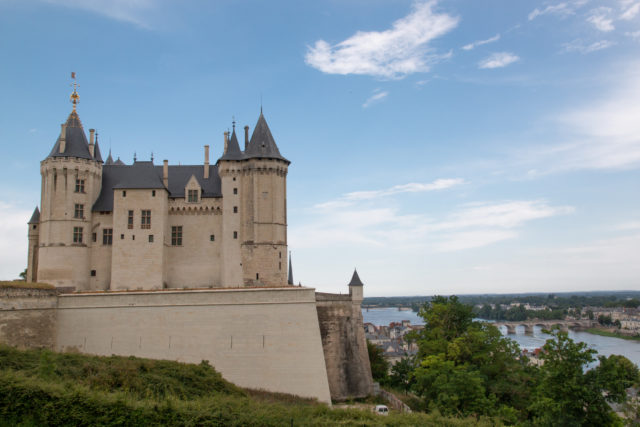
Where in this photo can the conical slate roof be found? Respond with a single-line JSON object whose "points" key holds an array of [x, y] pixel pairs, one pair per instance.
{"points": [[35, 218], [233, 149], [109, 159], [76, 141], [97, 156], [262, 143], [119, 162], [355, 279], [290, 279]]}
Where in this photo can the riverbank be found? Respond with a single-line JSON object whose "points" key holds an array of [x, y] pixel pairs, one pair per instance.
{"points": [[605, 333]]}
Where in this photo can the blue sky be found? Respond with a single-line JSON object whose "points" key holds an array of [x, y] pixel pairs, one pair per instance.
{"points": [[439, 146]]}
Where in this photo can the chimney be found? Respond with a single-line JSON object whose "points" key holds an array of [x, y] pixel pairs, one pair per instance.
{"points": [[63, 137], [165, 173], [246, 137], [226, 142], [206, 162], [92, 147]]}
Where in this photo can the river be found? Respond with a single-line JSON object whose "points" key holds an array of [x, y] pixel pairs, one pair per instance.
{"points": [[605, 346]]}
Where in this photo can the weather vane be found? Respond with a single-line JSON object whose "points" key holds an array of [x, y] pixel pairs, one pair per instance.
{"points": [[75, 98]]}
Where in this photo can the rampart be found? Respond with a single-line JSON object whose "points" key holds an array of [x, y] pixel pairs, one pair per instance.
{"points": [[28, 317], [345, 348]]}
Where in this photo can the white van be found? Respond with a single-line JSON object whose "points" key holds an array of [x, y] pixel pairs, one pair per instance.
{"points": [[381, 410]]}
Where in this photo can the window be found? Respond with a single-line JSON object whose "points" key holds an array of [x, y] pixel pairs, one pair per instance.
{"points": [[235, 191], [153, 193], [107, 236], [150, 238], [235, 234], [94, 237], [78, 211], [122, 237], [212, 238], [124, 193], [192, 196], [133, 237], [93, 273], [257, 276], [235, 209], [280, 265], [176, 235], [145, 219], [79, 185], [77, 234], [130, 220]]}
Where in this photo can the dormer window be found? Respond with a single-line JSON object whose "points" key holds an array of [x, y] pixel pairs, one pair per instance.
{"points": [[193, 190], [192, 196]]}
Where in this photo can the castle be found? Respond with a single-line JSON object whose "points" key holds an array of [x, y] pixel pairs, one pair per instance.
{"points": [[185, 263], [108, 225]]}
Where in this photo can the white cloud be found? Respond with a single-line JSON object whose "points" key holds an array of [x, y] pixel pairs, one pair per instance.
{"points": [[634, 35], [578, 46], [475, 44], [631, 225], [602, 133], [394, 53], [13, 245], [131, 11], [473, 239], [412, 187], [630, 12], [561, 9], [375, 98], [600, 19], [498, 60]]}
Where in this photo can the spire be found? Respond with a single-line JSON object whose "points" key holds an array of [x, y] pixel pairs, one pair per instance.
{"points": [[96, 154], [109, 159], [355, 279], [35, 218], [74, 98], [262, 143], [290, 280], [233, 148]]}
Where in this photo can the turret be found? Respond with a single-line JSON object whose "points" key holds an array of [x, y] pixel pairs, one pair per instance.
{"points": [[34, 236], [355, 288], [71, 182]]}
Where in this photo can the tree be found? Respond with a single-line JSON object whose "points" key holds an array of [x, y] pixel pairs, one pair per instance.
{"points": [[23, 275], [379, 365], [568, 395], [467, 367], [401, 376]]}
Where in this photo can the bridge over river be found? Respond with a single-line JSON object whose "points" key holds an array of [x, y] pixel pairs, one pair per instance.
{"points": [[528, 325]]}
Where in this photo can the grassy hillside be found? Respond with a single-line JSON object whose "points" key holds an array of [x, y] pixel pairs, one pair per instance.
{"points": [[39, 387]]}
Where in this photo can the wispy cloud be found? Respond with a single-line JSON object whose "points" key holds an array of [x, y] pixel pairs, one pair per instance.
{"points": [[131, 11], [630, 12], [601, 134], [375, 98], [394, 53], [561, 9], [600, 18], [475, 44], [579, 46], [412, 187], [634, 35], [498, 60]]}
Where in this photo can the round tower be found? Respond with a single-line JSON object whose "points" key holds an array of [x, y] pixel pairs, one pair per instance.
{"points": [[71, 182]]}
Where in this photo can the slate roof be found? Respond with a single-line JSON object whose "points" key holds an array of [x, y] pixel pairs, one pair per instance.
{"points": [[145, 175], [76, 141], [97, 156], [233, 149], [35, 218], [290, 278], [109, 159], [355, 279], [262, 144]]}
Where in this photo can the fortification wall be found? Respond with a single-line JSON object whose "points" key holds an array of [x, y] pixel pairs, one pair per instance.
{"points": [[257, 338], [345, 348], [28, 317]]}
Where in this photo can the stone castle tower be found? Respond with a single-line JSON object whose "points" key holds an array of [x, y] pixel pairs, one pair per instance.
{"points": [[110, 226]]}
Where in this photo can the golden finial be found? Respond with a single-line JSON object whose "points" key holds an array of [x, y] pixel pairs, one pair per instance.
{"points": [[74, 98]]}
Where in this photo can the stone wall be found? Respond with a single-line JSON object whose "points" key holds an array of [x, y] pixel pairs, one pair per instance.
{"points": [[28, 317], [257, 338], [345, 348]]}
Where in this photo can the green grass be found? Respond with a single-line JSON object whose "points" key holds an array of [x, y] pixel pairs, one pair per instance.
{"points": [[40, 387], [596, 331], [23, 284]]}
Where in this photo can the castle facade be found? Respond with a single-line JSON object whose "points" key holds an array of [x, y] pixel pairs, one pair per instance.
{"points": [[106, 225]]}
